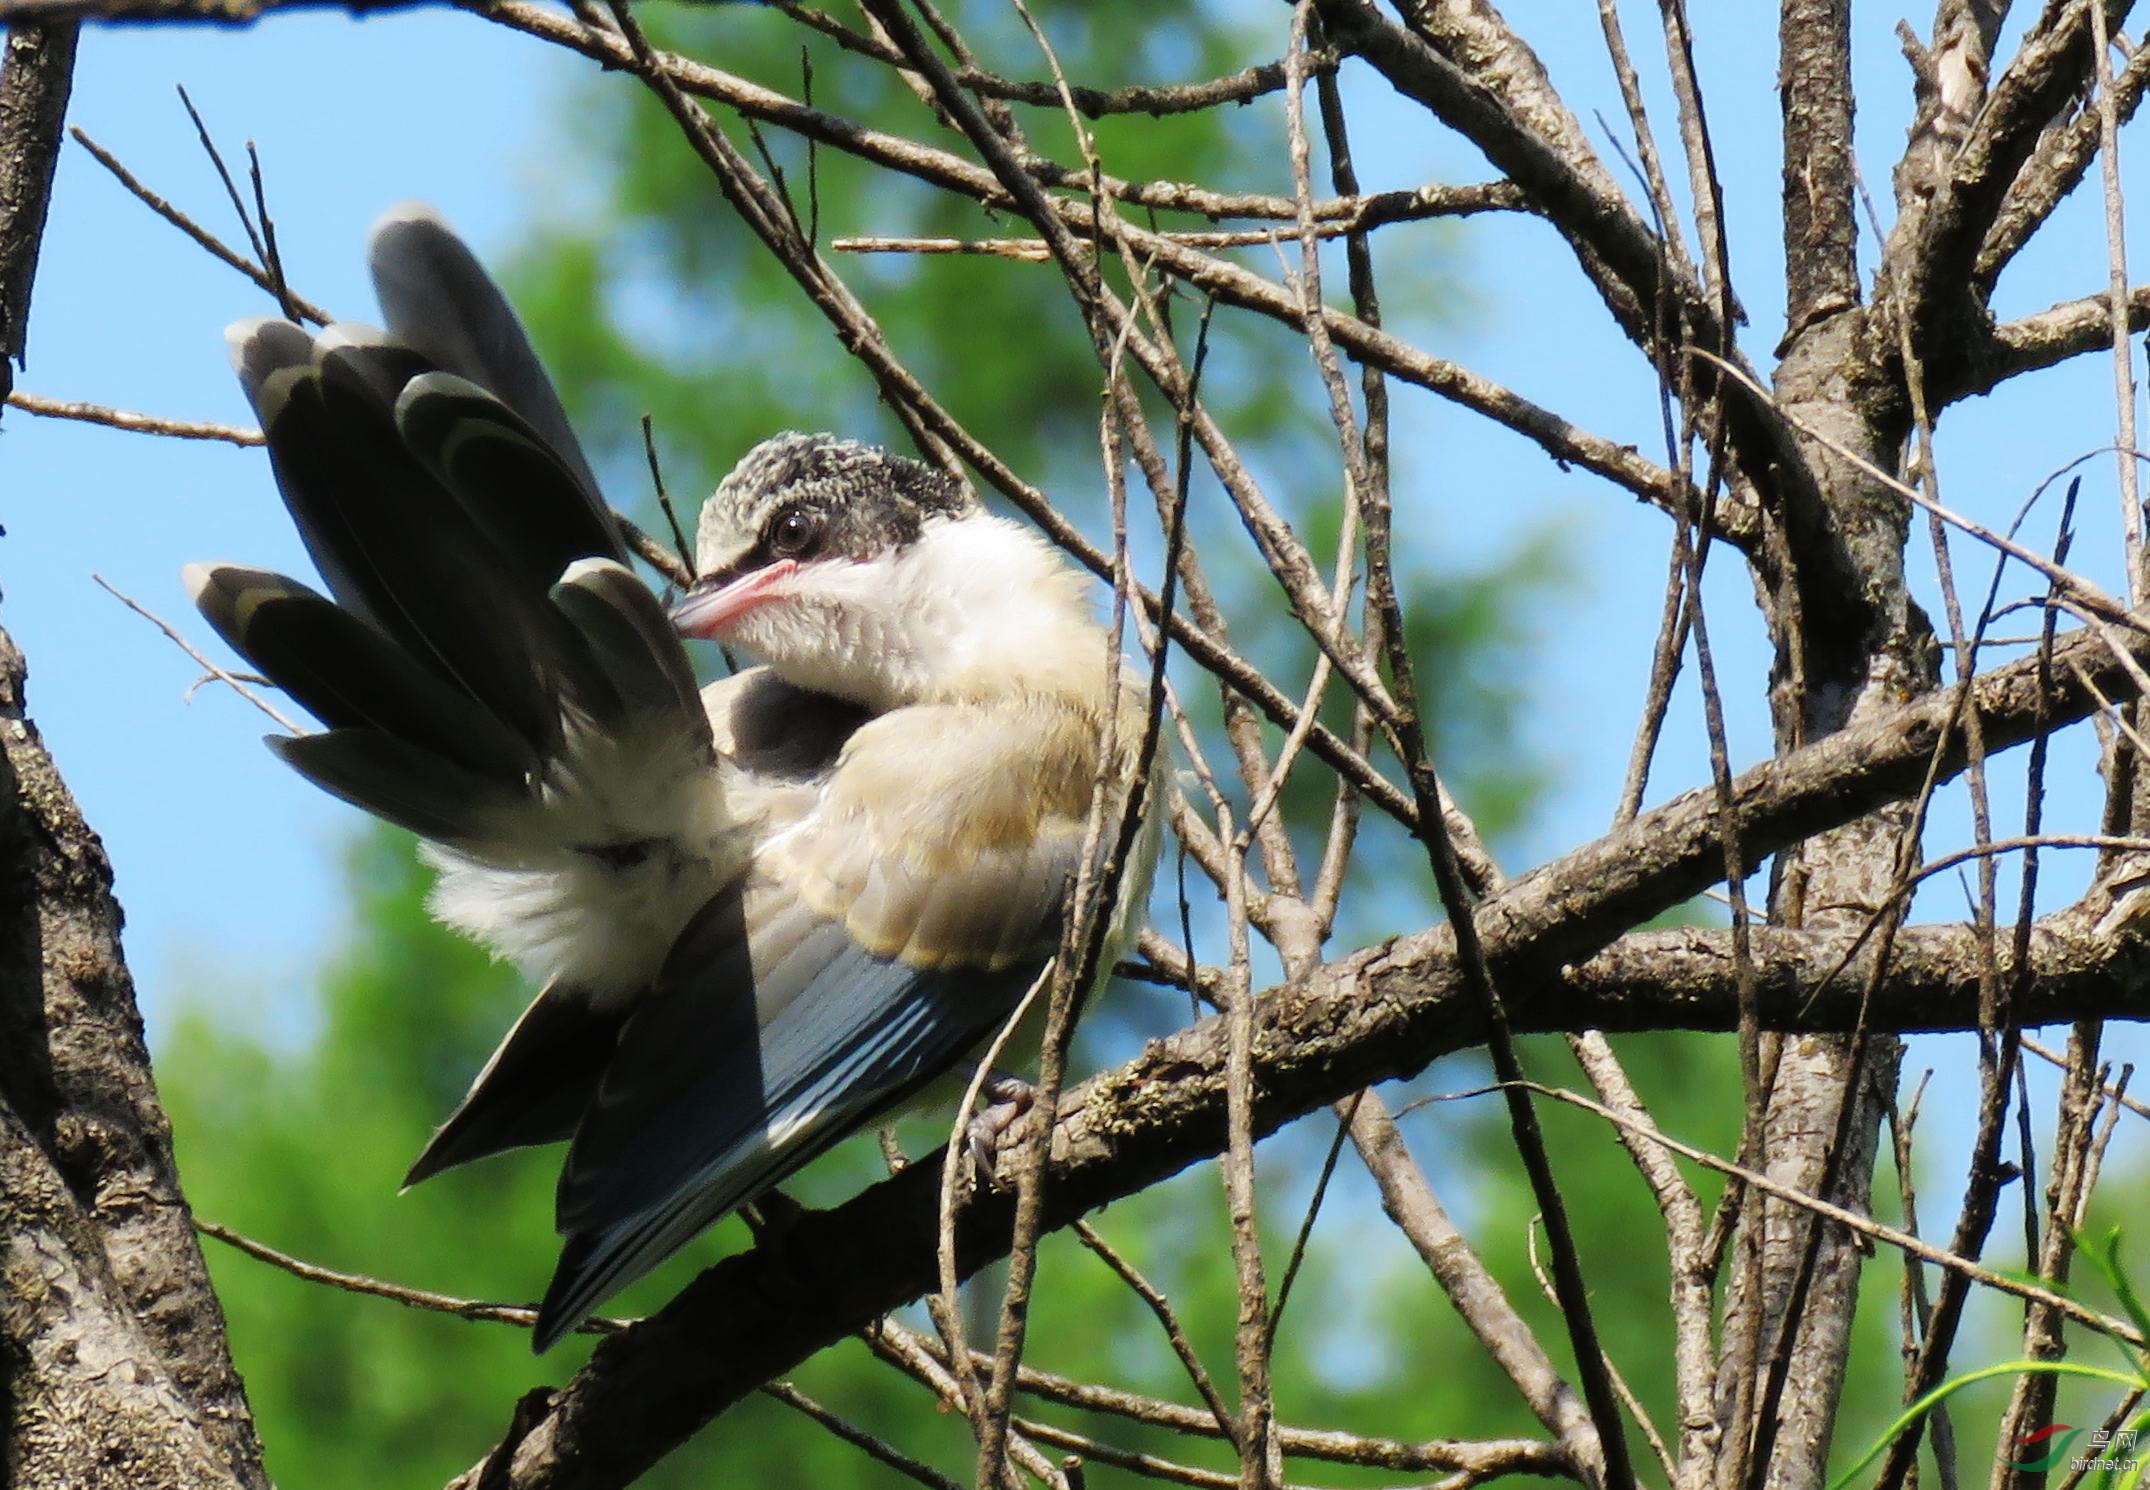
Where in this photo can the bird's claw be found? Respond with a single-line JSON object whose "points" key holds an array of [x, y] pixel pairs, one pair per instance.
{"points": [[1008, 1098]]}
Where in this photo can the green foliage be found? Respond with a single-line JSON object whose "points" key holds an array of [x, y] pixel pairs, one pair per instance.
{"points": [[2103, 1253], [648, 290], [305, 1147]]}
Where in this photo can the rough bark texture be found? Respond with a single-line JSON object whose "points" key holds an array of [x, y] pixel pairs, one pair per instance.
{"points": [[36, 76], [112, 1352], [1820, 233], [1850, 645], [112, 1337], [1837, 662]]}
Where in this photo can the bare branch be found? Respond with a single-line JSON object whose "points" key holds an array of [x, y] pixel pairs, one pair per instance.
{"points": [[142, 424], [207, 240], [1820, 231], [1376, 1014]]}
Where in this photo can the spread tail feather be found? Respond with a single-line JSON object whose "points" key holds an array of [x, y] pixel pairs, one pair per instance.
{"points": [[534, 1086], [484, 627], [439, 299]]}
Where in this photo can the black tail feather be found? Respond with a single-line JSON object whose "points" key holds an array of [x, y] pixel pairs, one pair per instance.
{"points": [[434, 481], [533, 1088]]}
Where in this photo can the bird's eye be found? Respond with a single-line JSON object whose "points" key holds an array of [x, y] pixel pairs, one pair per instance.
{"points": [[794, 532]]}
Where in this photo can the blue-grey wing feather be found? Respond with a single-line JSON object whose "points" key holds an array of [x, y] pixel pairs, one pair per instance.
{"points": [[889, 927], [731, 1076]]}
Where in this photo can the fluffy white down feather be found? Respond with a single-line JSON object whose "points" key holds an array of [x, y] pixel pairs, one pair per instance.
{"points": [[561, 912]]}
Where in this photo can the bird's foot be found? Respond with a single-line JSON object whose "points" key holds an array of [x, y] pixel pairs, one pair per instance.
{"points": [[1008, 1098]]}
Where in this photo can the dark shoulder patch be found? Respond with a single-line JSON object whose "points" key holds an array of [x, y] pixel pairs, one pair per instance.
{"points": [[779, 729]]}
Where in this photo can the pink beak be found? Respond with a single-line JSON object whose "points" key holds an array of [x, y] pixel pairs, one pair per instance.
{"points": [[711, 613]]}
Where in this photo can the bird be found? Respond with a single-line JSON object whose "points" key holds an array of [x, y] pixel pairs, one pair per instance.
{"points": [[760, 915]]}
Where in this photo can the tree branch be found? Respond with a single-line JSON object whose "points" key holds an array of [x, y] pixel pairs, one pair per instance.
{"points": [[1469, 70], [112, 1348], [101, 1263], [1377, 1014], [1463, 63], [35, 80], [1935, 250], [1820, 233], [2045, 337]]}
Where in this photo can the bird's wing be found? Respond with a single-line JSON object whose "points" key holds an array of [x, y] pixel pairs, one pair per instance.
{"points": [[490, 673], [484, 632], [534, 1087], [886, 932], [533, 1090]]}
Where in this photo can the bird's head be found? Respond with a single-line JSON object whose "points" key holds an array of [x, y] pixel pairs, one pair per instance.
{"points": [[858, 573]]}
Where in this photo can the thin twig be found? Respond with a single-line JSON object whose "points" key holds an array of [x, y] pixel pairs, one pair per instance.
{"points": [[133, 423], [522, 1316], [1154, 1300], [1865, 1226], [201, 236], [2111, 1094], [229, 680]]}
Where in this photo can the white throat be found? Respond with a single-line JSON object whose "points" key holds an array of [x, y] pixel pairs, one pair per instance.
{"points": [[977, 607]]}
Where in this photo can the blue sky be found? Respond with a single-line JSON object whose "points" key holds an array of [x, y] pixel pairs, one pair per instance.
{"points": [[228, 865]]}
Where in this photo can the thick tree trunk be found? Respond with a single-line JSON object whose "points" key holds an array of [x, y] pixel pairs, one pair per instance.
{"points": [[1850, 645], [112, 1344], [113, 1364]]}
